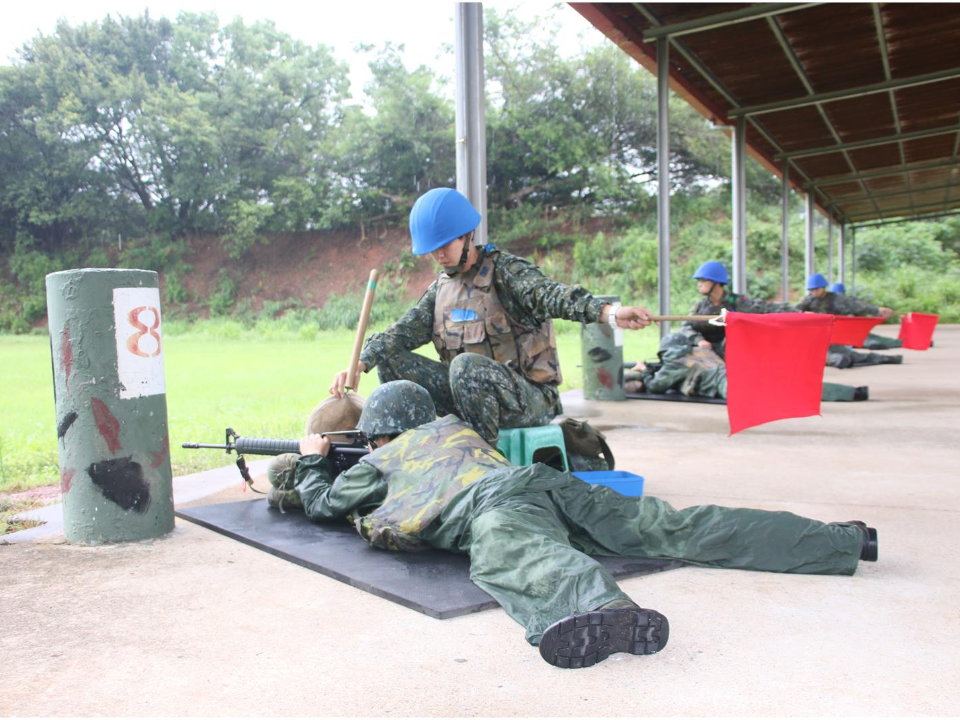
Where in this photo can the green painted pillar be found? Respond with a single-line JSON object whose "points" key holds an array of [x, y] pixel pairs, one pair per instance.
{"points": [[601, 346], [110, 396]]}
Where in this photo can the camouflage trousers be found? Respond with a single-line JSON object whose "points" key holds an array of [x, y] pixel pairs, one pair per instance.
{"points": [[480, 391], [879, 342], [531, 550], [841, 356]]}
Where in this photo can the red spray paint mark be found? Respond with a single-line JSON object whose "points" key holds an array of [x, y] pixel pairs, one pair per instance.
{"points": [[604, 376], [107, 424], [66, 354], [66, 477], [159, 457]]}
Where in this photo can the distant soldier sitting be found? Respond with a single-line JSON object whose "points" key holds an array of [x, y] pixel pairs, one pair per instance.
{"points": [[712, 280], [828, 303], [530, 531]]}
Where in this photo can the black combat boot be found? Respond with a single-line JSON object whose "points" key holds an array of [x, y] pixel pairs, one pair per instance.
{"points": [[870, 550], [861, 393], [583, 640]]}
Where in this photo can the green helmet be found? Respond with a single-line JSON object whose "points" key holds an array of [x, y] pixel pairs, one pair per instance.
{"points": [[396, 407]]}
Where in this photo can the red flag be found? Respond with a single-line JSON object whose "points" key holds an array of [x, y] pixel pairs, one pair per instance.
{"points": [[916, 330], [851, 330], [775, 366]]}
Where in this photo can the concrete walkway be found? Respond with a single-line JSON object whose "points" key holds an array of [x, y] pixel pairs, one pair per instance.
{"points": [[197, 624]]}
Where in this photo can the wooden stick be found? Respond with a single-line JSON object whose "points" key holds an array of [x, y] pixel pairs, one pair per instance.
{"points": [[692, 318], [361, 330]]}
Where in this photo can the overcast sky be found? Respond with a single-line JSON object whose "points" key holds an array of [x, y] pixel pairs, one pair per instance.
{"points": [[423, 27]]}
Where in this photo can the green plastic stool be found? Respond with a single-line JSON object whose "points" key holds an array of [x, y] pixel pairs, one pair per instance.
{"points": [[524, 446]]}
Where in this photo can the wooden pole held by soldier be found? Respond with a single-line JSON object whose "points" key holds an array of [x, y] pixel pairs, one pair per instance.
{"points": [[684, 318], [361, 330]]}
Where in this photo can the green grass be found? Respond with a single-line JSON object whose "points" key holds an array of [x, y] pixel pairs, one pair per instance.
{"points": [[217, 375]]}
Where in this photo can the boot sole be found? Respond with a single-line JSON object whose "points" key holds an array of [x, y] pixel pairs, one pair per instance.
{"points": [[583, 640]]}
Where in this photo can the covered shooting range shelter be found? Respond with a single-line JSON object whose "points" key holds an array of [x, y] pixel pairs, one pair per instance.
{"points": [[856, 106]]}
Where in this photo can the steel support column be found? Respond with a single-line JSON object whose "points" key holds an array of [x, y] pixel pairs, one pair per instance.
{"points": [[785, 236], [738, 180], [809, 261], [663, 178], [842, 256], [471, 128], [853, 261], [830, 249]]}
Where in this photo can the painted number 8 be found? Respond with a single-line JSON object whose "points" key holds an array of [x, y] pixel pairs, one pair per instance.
{"points": [[133, 342]]}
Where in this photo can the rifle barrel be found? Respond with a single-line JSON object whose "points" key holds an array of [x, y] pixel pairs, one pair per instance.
{"points": [[197, 446]]}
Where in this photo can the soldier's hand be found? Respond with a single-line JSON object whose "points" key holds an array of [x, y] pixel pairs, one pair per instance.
{"points": [[705, 344], [314, 445], [886, 312], [338, 388], [633, 318]]}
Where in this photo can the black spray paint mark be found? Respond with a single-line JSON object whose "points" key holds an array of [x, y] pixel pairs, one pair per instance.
{"points": [[599, 355], [121, 480], [68, 420]]}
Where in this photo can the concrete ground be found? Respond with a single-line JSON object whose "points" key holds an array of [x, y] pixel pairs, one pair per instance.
{"points": [[198, 624]]}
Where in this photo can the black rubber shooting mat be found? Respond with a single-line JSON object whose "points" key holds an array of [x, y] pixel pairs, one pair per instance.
{"points": [[434, 582], [676, 397]]}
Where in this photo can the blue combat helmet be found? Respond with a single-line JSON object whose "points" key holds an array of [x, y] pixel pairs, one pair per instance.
{"points": [[713, 270], [838, 288], [817, 280], [438, 217]]}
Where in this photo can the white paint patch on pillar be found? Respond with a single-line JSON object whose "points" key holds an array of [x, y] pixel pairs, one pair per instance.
{"points": [[136, 314]]}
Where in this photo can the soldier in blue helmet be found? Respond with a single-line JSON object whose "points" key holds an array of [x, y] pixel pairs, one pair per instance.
{"points": [[873, 341], [530, 531], [489, 316], [820, 300], [712, 280]]}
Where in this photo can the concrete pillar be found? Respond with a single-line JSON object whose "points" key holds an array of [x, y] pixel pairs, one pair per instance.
{"points": [[111, 404], [601, 347], [852, 290], [470, 99]]}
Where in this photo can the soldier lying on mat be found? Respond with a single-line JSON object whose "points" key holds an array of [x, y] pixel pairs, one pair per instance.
{"points": [[694, 370], [530, 531]]}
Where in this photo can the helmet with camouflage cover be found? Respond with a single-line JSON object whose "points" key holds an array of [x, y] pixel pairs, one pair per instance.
{"points": [[335, 414], [396, 407]]}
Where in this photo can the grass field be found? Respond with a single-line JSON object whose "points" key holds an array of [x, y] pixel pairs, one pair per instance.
{"points": [[217, 375]]}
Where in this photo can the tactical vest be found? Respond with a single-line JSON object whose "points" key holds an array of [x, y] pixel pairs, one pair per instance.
{"points": [[424, 469], [469, 317]]}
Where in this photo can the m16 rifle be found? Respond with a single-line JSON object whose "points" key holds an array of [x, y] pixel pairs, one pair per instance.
{"points": [[342, 455]]}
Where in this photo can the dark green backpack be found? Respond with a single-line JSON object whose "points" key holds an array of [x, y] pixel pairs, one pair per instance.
{"points": [[587, 447]]}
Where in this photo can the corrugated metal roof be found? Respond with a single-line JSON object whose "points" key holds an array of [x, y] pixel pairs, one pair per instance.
{"points": [[741, 57]]}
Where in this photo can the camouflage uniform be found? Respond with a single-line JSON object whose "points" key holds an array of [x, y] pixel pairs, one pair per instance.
{"points": [[843, 357], [879, 342], [483, 391], [701, 372], [529, 530], [836, 304], [697, 330]]}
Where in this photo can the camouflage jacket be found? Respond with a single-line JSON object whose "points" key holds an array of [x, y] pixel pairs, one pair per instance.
{"points": [[423, 491], [837, 304], [691, 370], [529, 297], [703, 330]]}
